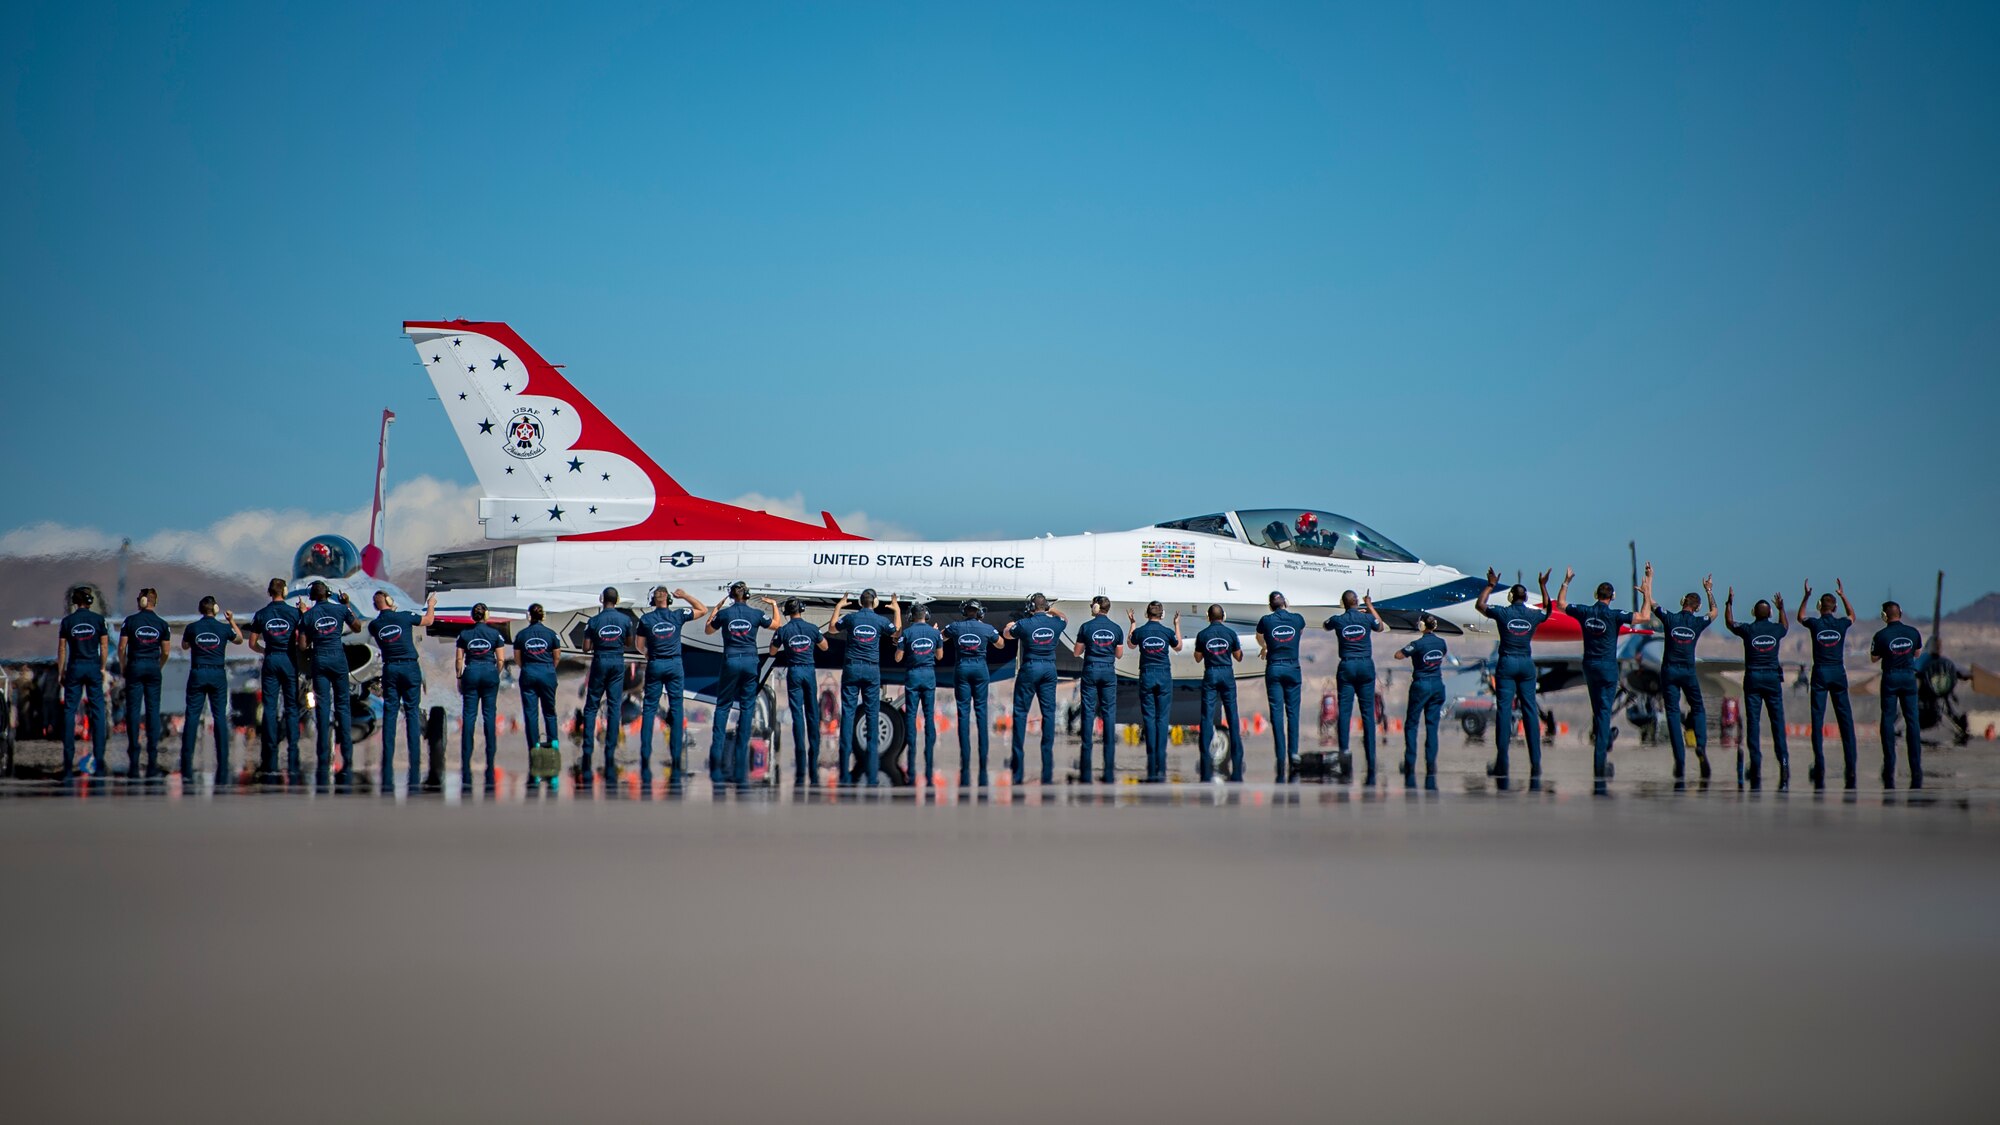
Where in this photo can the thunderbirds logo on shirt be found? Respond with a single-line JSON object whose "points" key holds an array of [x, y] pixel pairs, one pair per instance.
{"points": [[1682, 635], [1352, 632], [536, 646], [1519, 626], [1764, 643], [1434, 659], [800, 643], [478, 646], [740, 629], [390, 633], [1828, 637], [1103, 640], [208, 642], [1594, 624], [524, 435], [921, 646], [1043, 637], [1284, 634], [1901, 646]]}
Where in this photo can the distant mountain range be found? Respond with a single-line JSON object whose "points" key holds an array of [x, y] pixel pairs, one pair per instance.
{"points": [[38, 587]]}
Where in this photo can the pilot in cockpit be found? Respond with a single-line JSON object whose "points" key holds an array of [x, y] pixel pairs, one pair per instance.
{"points": [[1306, 532]]}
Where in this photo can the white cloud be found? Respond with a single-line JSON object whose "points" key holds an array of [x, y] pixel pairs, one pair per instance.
{"points": [[424, 515], [794, 507]]}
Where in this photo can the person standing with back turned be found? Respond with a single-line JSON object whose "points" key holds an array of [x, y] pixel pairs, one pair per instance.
{"points": [[1600, 622], [1220, 650], [738, 623], [1895, 648], [1426, 655], [80, 641], [1100, 642], [142, 650], [481, 652], [1278, 634], [660, 643], [796, 644], [1035, 681], [395, 633], [536, 648], [325, 625], [206, 641], [865, 631], [970, 639], [273, 633], [1356, 674], [1763, 682], [1515, 676], [1156, 644], [1829, 677], [605, 635]]}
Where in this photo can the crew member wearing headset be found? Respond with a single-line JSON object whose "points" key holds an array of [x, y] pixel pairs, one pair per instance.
{"points": [[917, 645], [970, 639], [660, 643], [1156, 644], [395, 633], [1829, 677], [1426, 655], [1356, 673], [80, 670], [605, 635], [1600, 622], [1896, 647], [1220, 650], [1514, 678], [274, 630], [861, 681], [536, 649], [738, 622], [1035, 681], [1278, 634], [481, 652], [206, 640], [1100, 641], [1763, 682], [795, 644], [325, 626]]}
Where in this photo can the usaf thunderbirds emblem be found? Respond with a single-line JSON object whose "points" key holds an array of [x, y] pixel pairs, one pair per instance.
{"points": [[524, 435]]}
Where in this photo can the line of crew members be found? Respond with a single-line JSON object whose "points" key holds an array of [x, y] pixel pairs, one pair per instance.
{"points": [[315, 632]]}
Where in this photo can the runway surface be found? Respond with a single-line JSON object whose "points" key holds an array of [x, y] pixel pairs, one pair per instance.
{"points": [[1108, 954]]}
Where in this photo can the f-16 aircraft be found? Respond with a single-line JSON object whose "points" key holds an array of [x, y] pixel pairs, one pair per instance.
{"points": [[580, 506]]}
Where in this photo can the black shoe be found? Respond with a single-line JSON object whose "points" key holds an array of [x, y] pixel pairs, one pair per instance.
{"points": [[1784, 777], [1680, 773], [1610, 770], [1816, 775], [1704, 769], [1493, 770]]}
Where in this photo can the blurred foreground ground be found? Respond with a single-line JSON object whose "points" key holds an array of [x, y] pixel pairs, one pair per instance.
{"points": [[1128, 953]]}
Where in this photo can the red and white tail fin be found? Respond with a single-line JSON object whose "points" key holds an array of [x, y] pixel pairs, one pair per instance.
{"points": [[373, 561], [551, 464]]}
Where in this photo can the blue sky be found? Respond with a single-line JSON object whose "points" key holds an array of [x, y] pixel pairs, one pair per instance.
{"points": [[1511, 283]]}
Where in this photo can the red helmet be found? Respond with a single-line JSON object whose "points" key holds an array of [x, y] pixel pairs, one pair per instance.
{"points": [[1308, 523]]}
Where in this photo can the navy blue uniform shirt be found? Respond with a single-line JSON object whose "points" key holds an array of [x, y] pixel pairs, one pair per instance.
{"points": [[660, 632], [84, 630], [1426, 655], [1760, 644], [208, 641], [145, 634], [1280, 630], [864, 630], [1039, 634], [1683, 628], [971, 640], [1898, 645], [1829, 640], [481, 644], [1517, 625], [536, 646], [1600, 629], [1100, 637], [1353, 628], [395, 633], [1217, 644], [1155, 642], [920, 643], [738, 623], [278, 623], [607, 631], [325, 624], [799, 638]]}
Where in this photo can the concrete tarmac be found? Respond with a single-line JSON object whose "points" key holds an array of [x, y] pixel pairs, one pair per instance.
{"points": [[1110, 953]]}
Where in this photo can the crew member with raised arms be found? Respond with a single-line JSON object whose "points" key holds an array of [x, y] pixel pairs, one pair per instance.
{"points": [[917, 645], [738, 622], [660, 642], [1220, 650], [970, 638], [1100, 641], [1600, 622], [864, 632], [142, 651], [795, 644], [1156, 644], [274, 630], [1514, 678], [1356, 672], [206, 640], [1763, 682], [395, 633], [1426, 655], [536, 649], [1829, 677], [1039, 633], [481, 652], [1682, 630], [605, 636], [1278, 637], [325, 625], [80, 640], [1895, 647]]}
